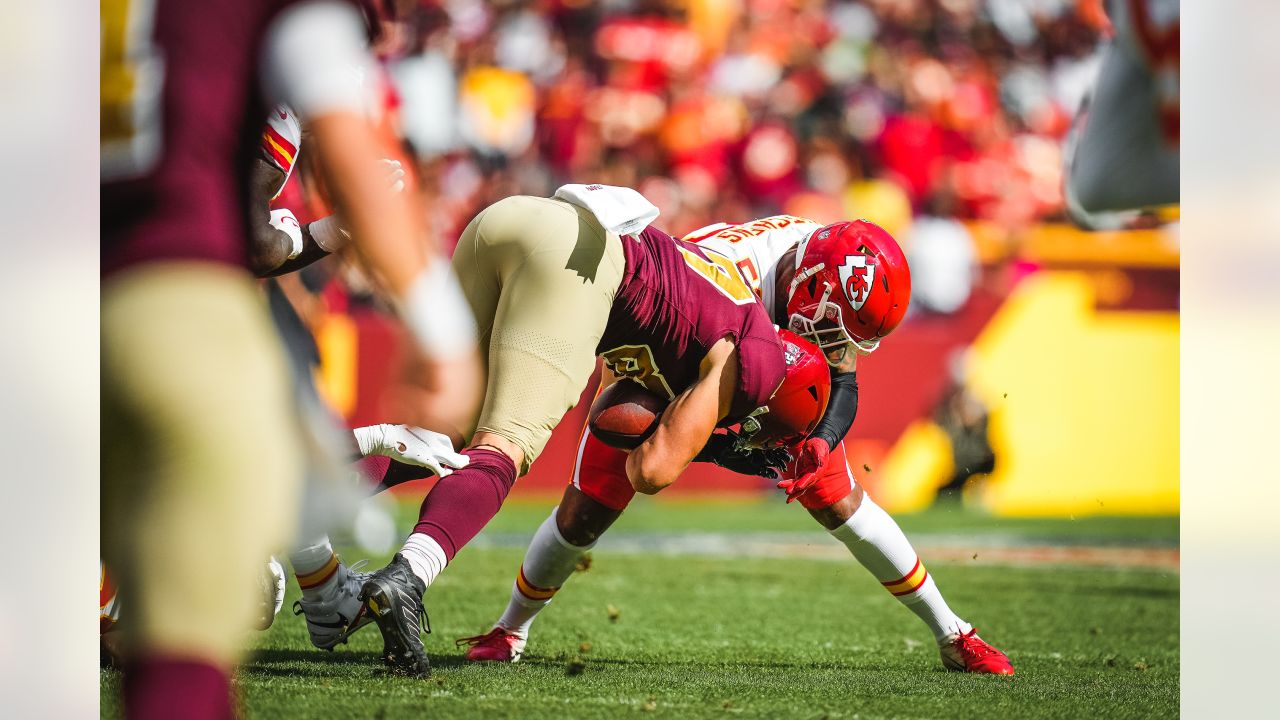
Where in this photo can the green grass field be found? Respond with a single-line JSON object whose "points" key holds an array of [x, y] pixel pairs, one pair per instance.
{"points": [[697, 636]]}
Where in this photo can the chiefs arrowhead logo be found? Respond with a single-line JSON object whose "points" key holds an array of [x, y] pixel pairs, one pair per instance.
{"points": [[856, 275]]}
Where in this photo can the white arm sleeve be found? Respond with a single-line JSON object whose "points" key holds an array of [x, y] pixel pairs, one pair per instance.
{"points": [[313, 58]]}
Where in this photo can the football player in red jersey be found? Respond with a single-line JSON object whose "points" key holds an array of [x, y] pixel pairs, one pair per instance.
{"points": [[843, 287], [850, 287], [193, 375]]}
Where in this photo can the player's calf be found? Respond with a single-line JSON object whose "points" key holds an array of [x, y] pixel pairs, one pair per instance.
{"points": [[879, 545]]}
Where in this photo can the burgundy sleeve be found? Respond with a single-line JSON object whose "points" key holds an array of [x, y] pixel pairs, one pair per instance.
{"points": [[761, 367]]}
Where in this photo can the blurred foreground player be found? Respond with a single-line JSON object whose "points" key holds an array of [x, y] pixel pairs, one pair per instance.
{"points": [[554, 282], [279, 244], [843, 287], [1124, 153], [193, 375]]}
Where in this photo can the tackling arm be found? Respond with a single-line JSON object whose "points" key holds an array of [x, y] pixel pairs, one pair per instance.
{"points": [[836, 420], [842, 408], [686, 423], [271, 250]]}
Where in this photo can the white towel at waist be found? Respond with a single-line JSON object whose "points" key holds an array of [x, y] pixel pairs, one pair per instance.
{"points": [[620, 210]]}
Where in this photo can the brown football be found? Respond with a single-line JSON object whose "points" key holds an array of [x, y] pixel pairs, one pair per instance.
{"points": [[625, 414]]}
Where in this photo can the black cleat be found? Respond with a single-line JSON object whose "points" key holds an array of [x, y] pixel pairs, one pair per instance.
{"points": [[393, 598]]}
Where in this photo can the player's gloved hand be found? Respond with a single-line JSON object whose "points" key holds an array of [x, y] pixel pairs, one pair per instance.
{"points": [[412, 446], [721, 449], [812, 458]]}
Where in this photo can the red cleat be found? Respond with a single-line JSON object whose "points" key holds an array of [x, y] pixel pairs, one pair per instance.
{"points": [[969, 653], [497, 645]]}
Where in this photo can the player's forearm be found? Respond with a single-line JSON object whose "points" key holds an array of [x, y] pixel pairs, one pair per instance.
{"points": [[380, 222], [683, 430], [311, 252], [686, 424], [841, 409], [397, 252], [271, 248]]}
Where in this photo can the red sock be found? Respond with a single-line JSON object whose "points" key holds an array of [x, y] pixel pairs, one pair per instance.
{"points": [[156, 688], [460, 505]]}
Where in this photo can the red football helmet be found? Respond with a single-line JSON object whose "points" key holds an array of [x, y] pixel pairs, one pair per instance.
{"points": [[852, 285], [797, 405]]}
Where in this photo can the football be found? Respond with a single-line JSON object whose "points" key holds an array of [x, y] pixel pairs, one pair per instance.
{"points": [[625, 414]]}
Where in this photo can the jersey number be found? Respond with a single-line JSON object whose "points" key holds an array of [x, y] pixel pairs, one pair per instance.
{"points": [[721, 272], [132, 84]]}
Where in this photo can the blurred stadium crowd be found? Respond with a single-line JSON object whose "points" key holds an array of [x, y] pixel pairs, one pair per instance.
{"points": [[724, 110]]}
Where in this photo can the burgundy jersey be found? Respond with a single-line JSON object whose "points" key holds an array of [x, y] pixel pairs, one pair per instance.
{"points": [[676, 300], [181, 122]]}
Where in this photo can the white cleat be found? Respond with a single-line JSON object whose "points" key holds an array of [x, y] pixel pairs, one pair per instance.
{"points": [[338, 613]]}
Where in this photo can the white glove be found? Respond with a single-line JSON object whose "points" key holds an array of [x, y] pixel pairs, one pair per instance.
{"points": [[412, 446], [286, 222]]}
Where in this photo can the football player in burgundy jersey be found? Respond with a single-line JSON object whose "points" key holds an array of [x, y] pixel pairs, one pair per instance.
{"points": [[193, 375], [555, 282], [390, 453], [843, 287]]}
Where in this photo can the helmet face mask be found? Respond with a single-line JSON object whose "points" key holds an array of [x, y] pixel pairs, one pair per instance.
{"points": [[821, 322], [852, 286]]}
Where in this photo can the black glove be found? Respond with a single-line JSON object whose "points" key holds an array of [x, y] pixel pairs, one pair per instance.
{"points": [[722, 450]]}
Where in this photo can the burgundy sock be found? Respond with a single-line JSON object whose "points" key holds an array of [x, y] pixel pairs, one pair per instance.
{"points": [[159, 687], [463, 503], [383, 472]]}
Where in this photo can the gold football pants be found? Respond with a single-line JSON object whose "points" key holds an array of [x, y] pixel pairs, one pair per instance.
{"points": [[201, 454], [541, 276]]}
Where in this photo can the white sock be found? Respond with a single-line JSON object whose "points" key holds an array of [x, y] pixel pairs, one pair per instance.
{"points": [[316, 567], [425, 556], [878, 543], [548, 563]]}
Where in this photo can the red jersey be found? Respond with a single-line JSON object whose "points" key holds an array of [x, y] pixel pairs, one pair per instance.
{"points": [[188, 199], [675, 301]]}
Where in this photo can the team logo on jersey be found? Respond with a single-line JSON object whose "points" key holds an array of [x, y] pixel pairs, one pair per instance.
{"points": [[856, 275]]}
